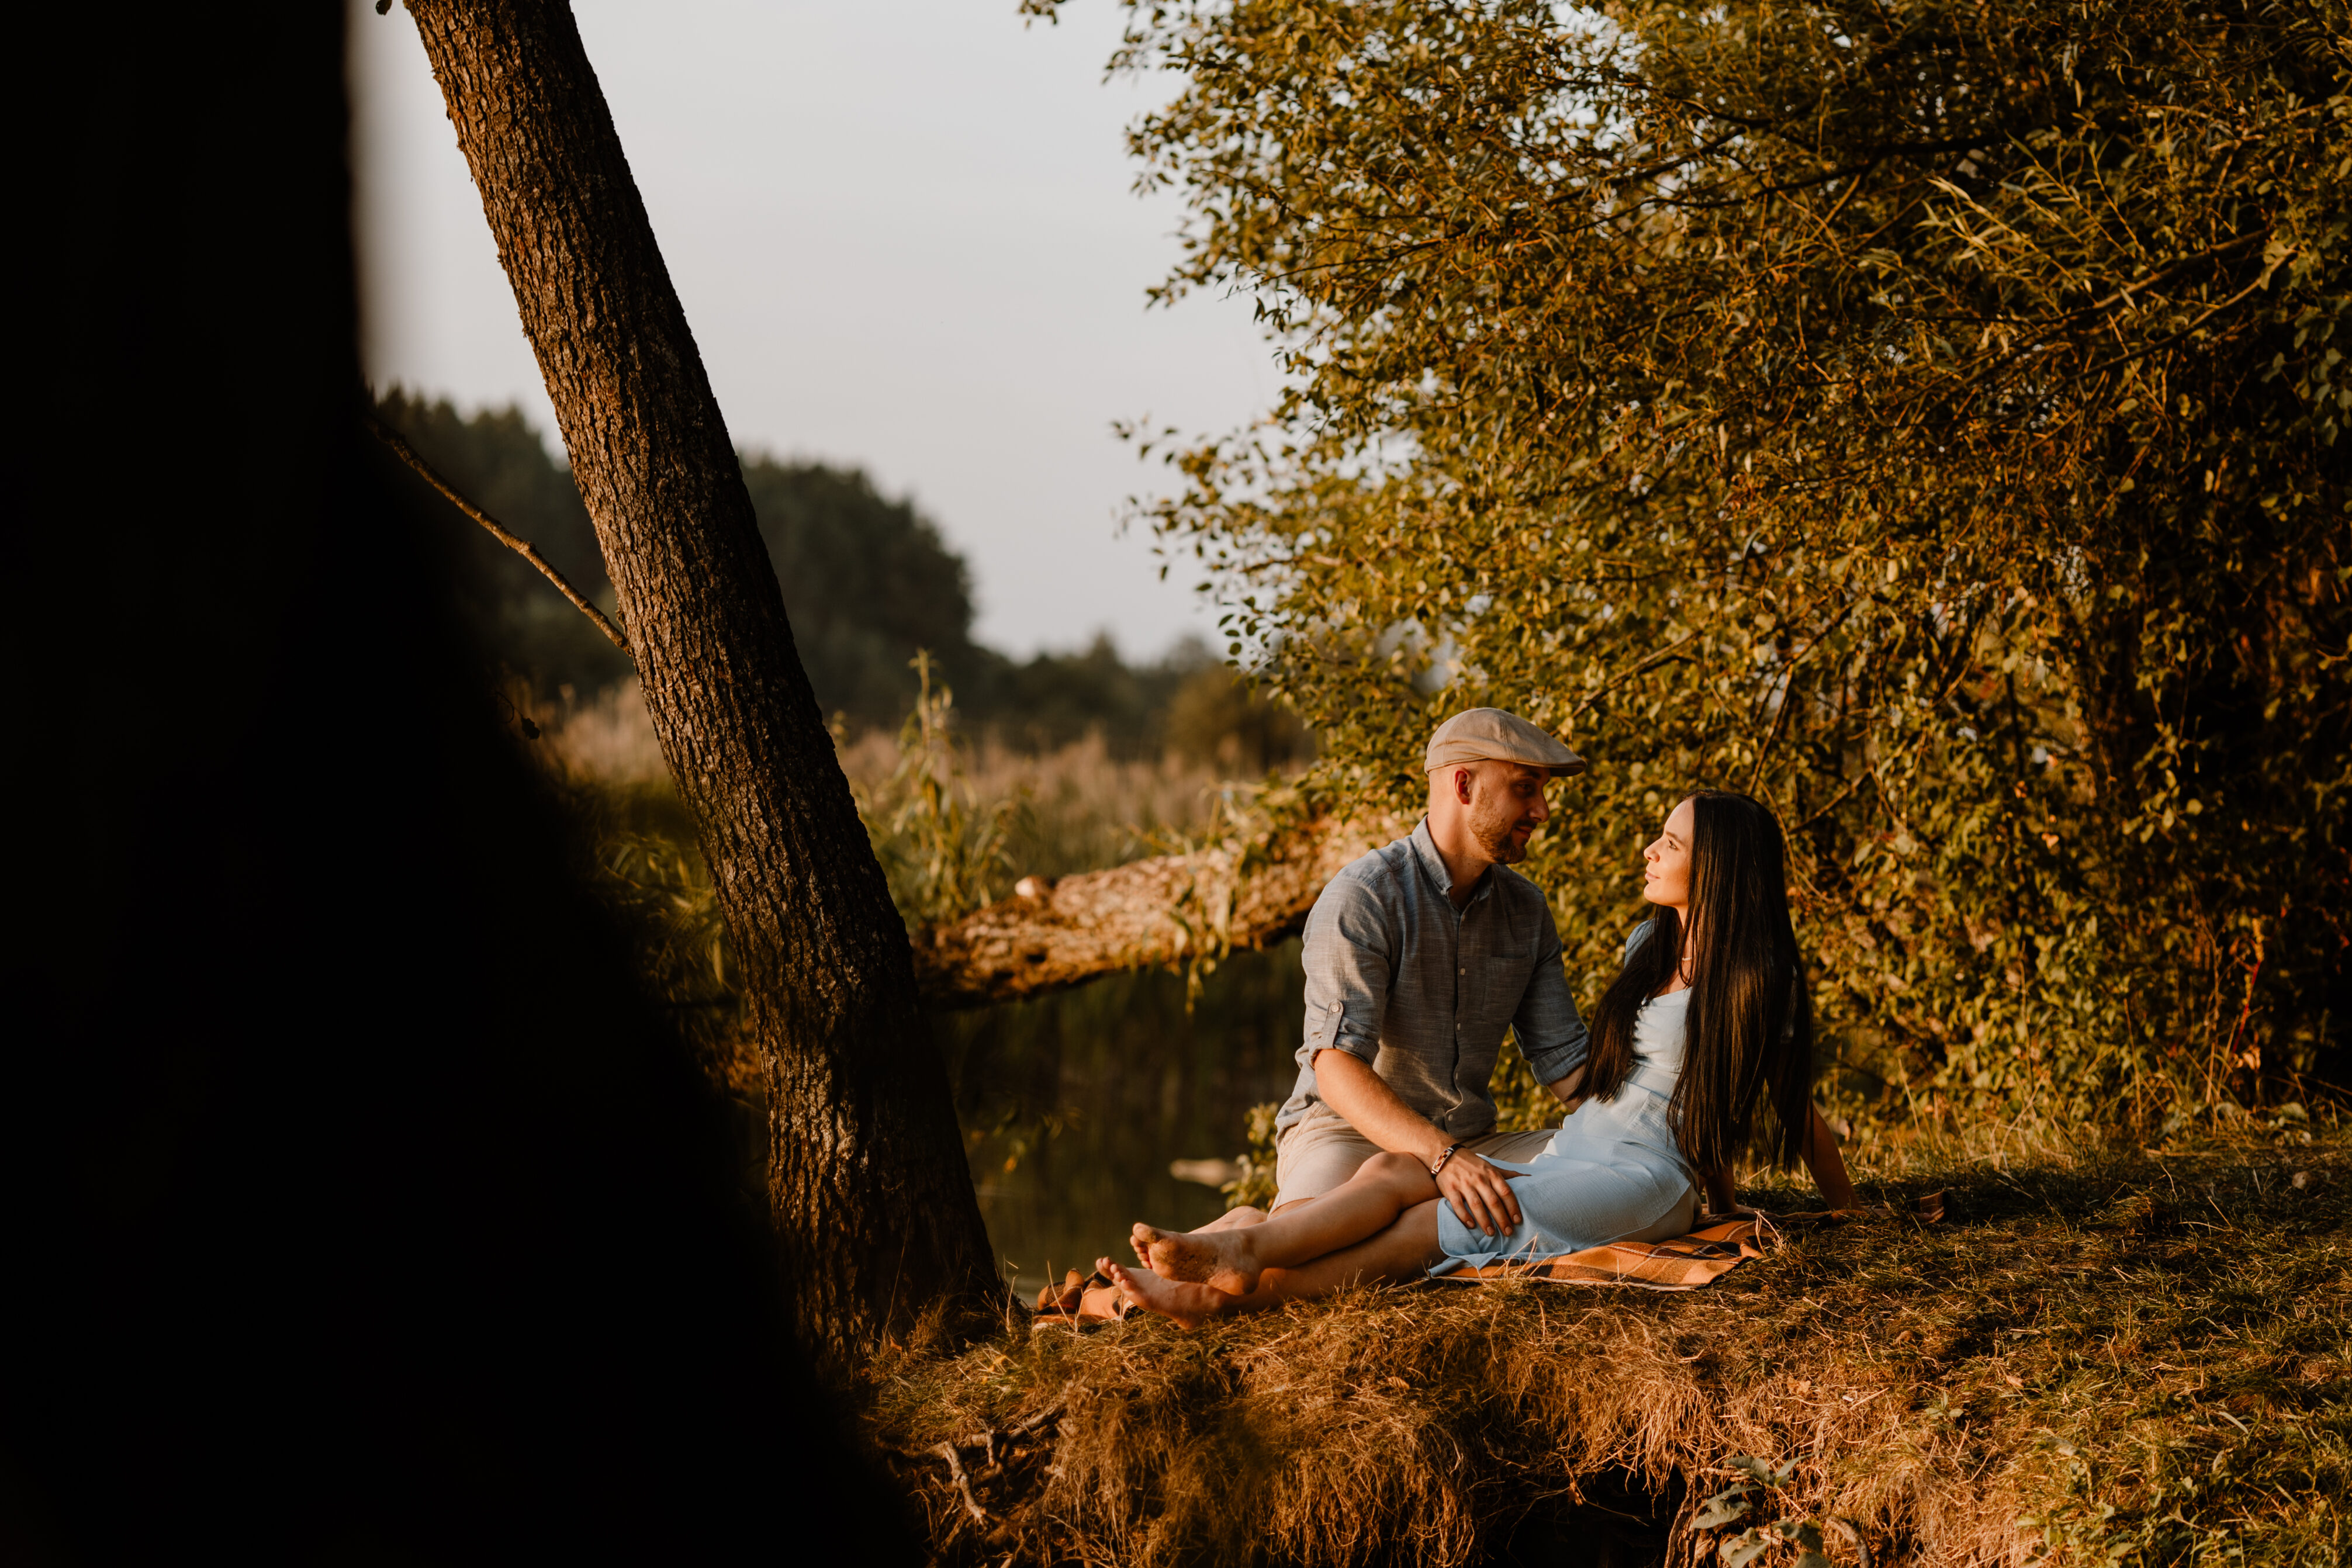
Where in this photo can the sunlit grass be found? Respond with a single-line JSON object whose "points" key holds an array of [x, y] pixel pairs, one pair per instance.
{"points": [[2100, 1357]]}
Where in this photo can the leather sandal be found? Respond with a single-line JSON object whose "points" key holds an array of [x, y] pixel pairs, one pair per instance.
{"points": [[1080, 1302]]}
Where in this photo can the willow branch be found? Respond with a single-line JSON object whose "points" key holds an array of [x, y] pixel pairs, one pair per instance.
{"points": [[1789, 690], [1670, 654], [521, 546]]}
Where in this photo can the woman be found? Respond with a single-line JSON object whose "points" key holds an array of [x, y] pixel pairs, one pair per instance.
{"points": [[1708, 1019]]}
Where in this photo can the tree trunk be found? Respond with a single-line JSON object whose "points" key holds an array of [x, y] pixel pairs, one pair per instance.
{"points": [[1158, 911], [873, 1199]]}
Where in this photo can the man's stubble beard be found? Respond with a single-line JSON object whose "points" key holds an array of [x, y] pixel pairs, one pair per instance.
{"points": [[1492, 818]]}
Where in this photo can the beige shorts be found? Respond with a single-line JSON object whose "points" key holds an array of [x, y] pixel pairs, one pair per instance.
{"points": [[1320, 1151]]}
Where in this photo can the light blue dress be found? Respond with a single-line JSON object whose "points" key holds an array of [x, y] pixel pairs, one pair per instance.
{"points": [[1611, 1173]]}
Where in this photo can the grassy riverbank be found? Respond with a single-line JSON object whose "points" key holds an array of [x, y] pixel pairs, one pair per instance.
{"points": [[2132, 1358]]}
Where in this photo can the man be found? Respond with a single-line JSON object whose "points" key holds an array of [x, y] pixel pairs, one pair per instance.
{"points": [[1418, 955]]}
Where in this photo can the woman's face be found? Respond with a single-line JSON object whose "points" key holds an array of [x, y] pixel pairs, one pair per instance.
{"points": [[1665, 864]]}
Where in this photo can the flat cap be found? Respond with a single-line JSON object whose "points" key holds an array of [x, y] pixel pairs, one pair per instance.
{"points": [[1490, 734]]}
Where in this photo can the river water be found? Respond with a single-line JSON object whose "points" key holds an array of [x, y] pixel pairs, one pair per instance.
{"points": [[1075, 1105]]}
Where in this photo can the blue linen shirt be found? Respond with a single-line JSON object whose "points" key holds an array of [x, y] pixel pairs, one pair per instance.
{"points": [[1396, 976]]}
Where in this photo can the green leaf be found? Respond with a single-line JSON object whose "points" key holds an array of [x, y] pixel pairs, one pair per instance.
{"points": [[1722, 1509]]}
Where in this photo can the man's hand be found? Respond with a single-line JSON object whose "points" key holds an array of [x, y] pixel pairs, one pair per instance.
{"points": [[1480, 1194]]}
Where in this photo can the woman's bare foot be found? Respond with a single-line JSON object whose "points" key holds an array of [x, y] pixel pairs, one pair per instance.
{"points": [[1222, 1259], [1232, 1219], [1185, 1305]]}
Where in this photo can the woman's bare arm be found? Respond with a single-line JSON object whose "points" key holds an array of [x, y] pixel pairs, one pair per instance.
{"points": [[1822, 1158], [1569, 1090]]}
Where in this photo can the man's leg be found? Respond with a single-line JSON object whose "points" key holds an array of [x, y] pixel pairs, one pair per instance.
{"points": [[1402, 1252], [1231, 1261], [1314, 1154], [1517, 1147], [1317, 1154]]}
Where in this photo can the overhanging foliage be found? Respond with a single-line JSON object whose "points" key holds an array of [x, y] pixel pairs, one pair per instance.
{"points": [[1927, 418]]}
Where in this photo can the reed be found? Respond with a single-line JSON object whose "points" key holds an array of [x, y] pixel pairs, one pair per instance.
{"points": [[1074, 808]]}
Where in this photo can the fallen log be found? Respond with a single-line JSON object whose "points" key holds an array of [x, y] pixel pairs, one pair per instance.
{"points": [[1167, 910]]}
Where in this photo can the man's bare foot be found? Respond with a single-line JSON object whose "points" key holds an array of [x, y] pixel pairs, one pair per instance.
{"points": [[1222, 1259], [1185, 1305]]}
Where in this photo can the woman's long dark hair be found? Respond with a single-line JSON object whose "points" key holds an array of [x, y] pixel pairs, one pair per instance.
{"points": [[1750, 1018]]}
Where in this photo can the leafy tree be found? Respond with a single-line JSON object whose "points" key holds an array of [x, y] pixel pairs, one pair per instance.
{"points": [[868, 581], [1052, 699], [1925, 416], [1217, 717]]}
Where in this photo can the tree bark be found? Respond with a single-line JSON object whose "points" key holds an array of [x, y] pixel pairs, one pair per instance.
{"points": [[872, 1197], [1158, 911]]}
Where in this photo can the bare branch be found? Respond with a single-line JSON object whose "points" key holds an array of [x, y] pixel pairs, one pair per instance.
{"points": [[521, 546]]}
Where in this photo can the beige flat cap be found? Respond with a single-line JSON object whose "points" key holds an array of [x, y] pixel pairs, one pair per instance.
{"points": [[1490, 734]]}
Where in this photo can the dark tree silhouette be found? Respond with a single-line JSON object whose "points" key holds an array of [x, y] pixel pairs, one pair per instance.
{"points": [[356, 1212]]}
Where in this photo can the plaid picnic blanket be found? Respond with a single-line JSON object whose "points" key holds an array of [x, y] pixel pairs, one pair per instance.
{"points": [[1684, 1263]]}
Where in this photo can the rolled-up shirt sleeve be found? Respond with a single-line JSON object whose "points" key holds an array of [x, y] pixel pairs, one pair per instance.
{"points": [[1348, 969], [1550, 1031]]}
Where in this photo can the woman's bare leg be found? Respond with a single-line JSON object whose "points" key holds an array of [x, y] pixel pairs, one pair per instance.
{"points": [[1403, 1252], [1231, 1261]]}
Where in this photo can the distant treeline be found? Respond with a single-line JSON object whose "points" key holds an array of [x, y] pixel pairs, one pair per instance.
{"points": [[867, 582]]}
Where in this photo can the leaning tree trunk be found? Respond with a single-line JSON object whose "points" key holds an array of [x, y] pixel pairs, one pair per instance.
{"points": [[866, 1174], [1157, 911]]}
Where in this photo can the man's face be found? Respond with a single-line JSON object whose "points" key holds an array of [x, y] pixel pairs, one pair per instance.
{"points": [[1506, 807]]}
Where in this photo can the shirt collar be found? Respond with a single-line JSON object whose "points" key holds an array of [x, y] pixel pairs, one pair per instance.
{"points": [[1425, 848]]}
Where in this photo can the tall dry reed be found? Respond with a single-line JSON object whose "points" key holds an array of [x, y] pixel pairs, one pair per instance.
{"points": [[1073, 809]]}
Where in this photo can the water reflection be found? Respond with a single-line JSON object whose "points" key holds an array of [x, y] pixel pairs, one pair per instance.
{"points": [[1075, 1105]]}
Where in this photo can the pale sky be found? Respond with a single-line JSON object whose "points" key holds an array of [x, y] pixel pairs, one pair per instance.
{"points": [[906, 239]]}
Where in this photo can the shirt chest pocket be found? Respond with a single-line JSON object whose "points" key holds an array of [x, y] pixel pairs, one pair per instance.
{"points": [[1502, 981]]}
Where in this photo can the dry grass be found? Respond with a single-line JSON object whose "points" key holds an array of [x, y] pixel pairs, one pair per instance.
{"points": [[1077, 808], [2099, 1358], [607, 739]]}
